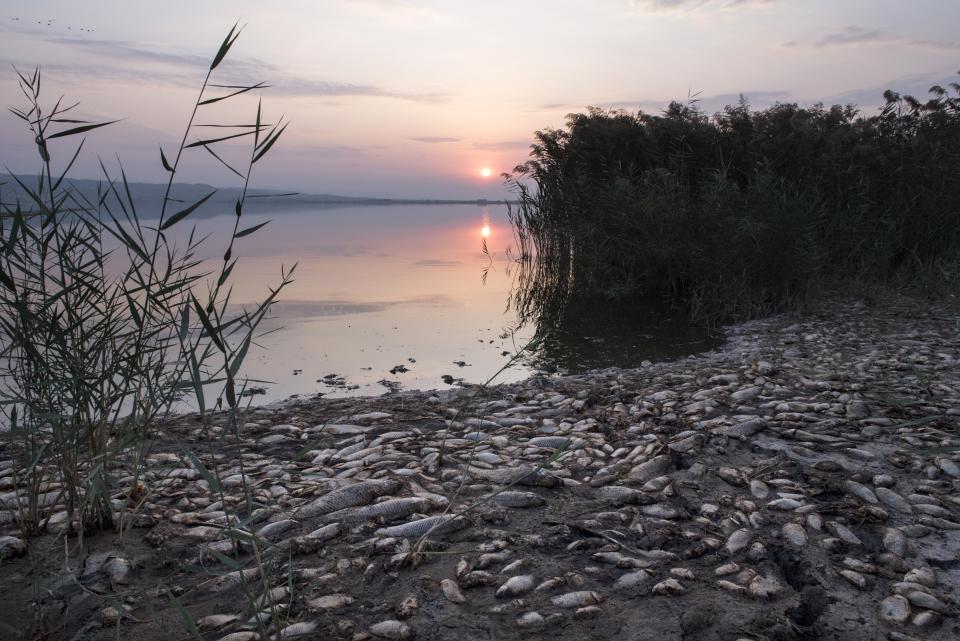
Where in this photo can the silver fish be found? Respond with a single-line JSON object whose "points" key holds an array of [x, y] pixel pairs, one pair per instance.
{"points": [[444, 523], [361, 493]]}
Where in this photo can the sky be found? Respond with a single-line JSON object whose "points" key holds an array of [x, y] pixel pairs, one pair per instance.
{"points": [[415, 98]]}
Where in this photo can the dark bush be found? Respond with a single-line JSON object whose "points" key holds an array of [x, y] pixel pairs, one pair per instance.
{"points": [[739, 214]]}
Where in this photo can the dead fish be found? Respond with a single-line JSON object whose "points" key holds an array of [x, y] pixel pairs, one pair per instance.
{"points": [[893, 500], [928, 601], [388, 510], [522, 475], [439, 501], [361, 493], [739, 540], [297, 630], [785, 505], [895, 609], [621, 561], [860, 491], [442, 524], [578, 599], [11, 546], [271, 531], [531, 620], [550, 584], [214, 621], [843, 533], [895, 542], [518, 499], [948, 467], [477, 578], [765, 587], [330, 602], [488, 559], [452, 591], [243, 635], [631, 579], [391, 629], [515, 586], [795, 535], [669, 586], [326, 533], [230, 580], [118, 569], [621, 495], [855, 578], [511, 567]]}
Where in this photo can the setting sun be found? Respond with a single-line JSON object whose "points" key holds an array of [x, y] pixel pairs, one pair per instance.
{"points": [[485, 172], [485, 231]]}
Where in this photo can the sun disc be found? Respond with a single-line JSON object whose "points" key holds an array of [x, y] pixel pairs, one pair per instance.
{"points": [[485, 231], [485, 172]]}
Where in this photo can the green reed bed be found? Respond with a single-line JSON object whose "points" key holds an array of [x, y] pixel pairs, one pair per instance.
{"points": [[740, 214]]}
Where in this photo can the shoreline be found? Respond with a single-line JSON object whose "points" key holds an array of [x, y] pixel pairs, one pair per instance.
{"points": [[799, 482]]}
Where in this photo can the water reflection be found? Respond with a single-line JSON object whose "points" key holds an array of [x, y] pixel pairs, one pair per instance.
{"points": [[408, 295]]}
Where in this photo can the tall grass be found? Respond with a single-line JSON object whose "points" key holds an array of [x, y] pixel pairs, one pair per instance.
{"points": [[742, 213], [105, 321]]}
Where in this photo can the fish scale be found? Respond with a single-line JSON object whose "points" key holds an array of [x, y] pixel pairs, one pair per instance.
{"points": [[361, 493]]}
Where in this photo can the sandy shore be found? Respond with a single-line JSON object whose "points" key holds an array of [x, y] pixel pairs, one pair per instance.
{"points": [[800, 483]]}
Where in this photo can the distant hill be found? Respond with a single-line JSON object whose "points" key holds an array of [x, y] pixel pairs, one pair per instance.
{"points": [[149, 196]]}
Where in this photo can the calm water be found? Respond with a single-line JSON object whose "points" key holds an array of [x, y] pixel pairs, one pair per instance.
{"points": [[403, 285]]}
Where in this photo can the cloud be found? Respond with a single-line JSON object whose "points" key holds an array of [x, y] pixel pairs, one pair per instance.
{"points": [[916, 85], [435, 139], [502, 145], [688, 5], [436, 262], [855, 35], [116, 59]]}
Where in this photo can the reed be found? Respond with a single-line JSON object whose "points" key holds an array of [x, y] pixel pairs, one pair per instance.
{"points": [[738, 214], [106, 322]]}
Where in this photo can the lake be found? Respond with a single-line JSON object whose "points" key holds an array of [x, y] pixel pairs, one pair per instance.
{"points": [[408, 288]]}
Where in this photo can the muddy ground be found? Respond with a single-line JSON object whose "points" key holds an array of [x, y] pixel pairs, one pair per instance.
{"points": [[800, 483]]}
